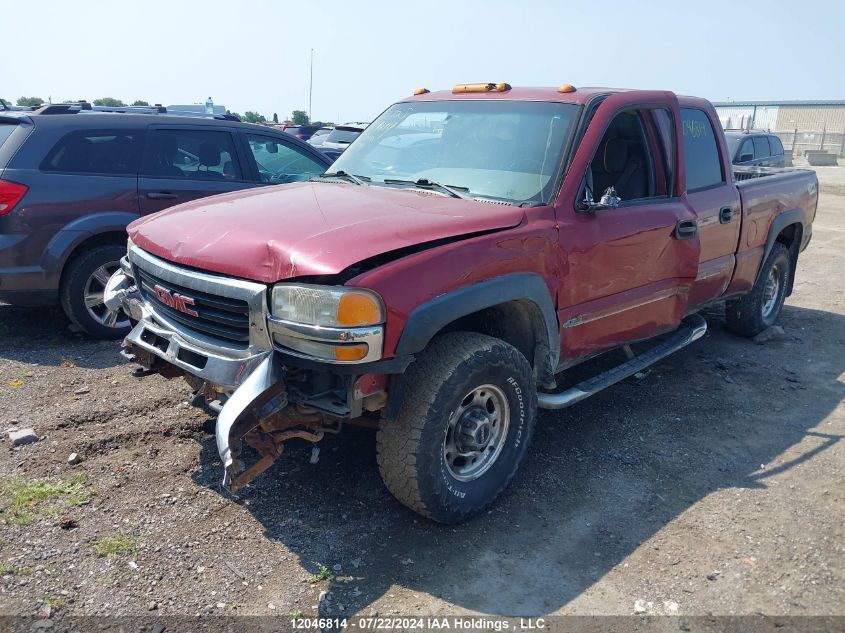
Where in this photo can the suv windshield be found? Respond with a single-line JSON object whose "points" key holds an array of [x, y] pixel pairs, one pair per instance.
{"points": [[505, 150]]}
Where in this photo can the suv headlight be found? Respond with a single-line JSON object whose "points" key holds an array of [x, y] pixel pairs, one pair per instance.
{"points": [[337, 324]]}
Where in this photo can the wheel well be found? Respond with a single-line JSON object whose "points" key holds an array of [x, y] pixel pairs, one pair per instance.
{"points": [[110, 238], [790, 235], [519, 323]]}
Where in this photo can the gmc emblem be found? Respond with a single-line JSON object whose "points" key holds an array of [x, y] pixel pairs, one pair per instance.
{"points": [[175, 300]]}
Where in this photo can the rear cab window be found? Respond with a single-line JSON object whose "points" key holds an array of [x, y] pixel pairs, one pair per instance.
{"points": [[102, 152], [195, 154], [702, 163]]}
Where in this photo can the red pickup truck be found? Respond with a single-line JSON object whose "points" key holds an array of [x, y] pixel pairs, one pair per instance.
{"points": [[468, 249]]}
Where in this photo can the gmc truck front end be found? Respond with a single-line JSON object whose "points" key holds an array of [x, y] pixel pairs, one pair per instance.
{"points": [[228, 338]]}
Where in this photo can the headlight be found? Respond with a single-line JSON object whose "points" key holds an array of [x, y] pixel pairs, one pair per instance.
{"points": [[335, 324], [327, 306]]}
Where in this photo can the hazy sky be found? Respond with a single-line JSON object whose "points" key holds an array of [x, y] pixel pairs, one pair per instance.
{"points": [[255, 55]]}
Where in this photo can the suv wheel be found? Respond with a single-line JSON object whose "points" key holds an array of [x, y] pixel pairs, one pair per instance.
{"points": [[468, 414], [761, 307], [81, 294]]}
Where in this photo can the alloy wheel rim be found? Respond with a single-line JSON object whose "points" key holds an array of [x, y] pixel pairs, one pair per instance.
{"points": [[94, 297], [771, 290], [476, 432]]}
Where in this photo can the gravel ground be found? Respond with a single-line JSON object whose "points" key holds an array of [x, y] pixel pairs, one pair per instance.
{"points": [[714, 485]]}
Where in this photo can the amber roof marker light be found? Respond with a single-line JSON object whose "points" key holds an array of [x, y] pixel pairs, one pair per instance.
{"points": [[461, 88], [566, 88], [421, 91]]}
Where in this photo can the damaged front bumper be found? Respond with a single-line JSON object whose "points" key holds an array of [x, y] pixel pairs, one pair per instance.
{"points": [[247, 377], [218, 333]]}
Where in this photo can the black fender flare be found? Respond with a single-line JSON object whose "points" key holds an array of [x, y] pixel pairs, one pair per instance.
{"points": [[71, 235], [426, 320], [785, 219]]}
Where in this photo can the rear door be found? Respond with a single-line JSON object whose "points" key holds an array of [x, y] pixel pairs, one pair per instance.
{"points": [[183, 163], [711, 193], [625, 272]]}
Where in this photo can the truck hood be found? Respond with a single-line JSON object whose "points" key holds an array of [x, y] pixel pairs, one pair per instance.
{"points": [[272, 233]]}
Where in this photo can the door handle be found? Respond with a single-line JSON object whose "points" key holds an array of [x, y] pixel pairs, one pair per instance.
{"points": [[162, 195], [686, 229], [725, 215]]}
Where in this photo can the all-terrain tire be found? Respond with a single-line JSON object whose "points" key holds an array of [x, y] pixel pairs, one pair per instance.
{"points": [[85, 273], [412, 458], [760, 308]]}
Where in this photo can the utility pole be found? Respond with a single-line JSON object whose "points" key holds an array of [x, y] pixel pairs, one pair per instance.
{"points": [[311, 85]]}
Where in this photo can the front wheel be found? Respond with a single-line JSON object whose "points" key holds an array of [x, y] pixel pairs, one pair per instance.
{"points": [[761, 307], [468, 414]]}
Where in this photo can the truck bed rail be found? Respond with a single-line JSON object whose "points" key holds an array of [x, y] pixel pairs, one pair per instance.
{"points": [[749, 173]]}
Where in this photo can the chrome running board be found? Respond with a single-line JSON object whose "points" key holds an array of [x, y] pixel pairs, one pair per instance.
{"points": [[692, 329]]}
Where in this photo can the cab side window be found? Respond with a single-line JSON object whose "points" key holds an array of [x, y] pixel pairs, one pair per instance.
{"points": [[198, 154], [776, 146], [634, 157], [746, 152], [761, 147], [280, 163], [702, 163]]}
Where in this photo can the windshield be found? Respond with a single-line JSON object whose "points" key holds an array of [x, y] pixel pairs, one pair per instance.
{"points": [[505, 150]]}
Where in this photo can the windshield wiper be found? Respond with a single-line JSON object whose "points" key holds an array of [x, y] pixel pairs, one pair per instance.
{"points": [[342, 174], [425, 183]]}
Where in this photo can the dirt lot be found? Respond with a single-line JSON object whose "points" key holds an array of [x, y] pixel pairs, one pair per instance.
{"points": [[715, 485]]}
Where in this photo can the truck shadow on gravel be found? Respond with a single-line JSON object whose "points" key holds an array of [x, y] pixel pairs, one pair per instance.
{"points": [[40, 336], [601, 479]]}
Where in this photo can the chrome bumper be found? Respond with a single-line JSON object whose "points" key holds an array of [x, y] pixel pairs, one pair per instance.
{"points": [[250, 375]]}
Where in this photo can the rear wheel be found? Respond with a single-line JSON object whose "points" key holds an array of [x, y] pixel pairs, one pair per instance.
{"points": [[463, 429], [761, 307], [82, 293]]}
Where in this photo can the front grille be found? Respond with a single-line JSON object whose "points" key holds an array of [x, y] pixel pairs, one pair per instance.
{"points": [[220, 317]]}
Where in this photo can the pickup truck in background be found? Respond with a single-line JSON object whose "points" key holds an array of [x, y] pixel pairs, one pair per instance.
{"points": [[468, 249]]}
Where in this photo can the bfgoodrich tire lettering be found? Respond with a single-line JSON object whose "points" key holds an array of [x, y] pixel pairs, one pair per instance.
{"points": [[411, 455]]}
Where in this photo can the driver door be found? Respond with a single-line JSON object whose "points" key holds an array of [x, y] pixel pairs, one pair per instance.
{"points": [[626, 270], [183, 163]]}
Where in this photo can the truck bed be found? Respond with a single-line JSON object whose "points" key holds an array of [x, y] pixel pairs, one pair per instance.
{"points": [[772, 198]]}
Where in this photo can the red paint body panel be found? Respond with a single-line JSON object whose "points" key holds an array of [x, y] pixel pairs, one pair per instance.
{"points": [[614, 276], [275, 233], [763, 200], [413, 280]]}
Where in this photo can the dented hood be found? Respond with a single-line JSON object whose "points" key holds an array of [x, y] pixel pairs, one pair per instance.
{"points": [[311, 228]]}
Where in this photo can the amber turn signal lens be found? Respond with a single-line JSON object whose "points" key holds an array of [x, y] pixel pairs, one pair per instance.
{"points": [[351, 352], [566, 88], [355, 308]]}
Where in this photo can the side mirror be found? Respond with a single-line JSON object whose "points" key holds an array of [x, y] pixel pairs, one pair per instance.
{"points": [[609, 200]]}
